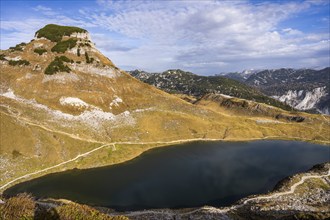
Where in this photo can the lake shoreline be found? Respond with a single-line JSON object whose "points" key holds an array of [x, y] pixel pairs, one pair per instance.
{"points": [[165, 144], [239, 209], [216, 155]]}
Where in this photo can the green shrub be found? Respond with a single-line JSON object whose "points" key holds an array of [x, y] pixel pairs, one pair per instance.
{"points": [[40, 51], [87, 57], [55, 32], [19, 62], [85, 44], [65, 59], [57, 65], [2, 57], [88, 60], [62, 46], [18, 47], [16, 154]]}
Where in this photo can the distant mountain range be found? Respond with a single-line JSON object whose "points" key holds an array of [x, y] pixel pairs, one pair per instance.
{"points": [[177, 81], [303, 89], [240, 76]]}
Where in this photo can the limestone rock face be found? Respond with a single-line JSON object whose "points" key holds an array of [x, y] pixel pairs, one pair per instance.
{"points": [[84, 36]]}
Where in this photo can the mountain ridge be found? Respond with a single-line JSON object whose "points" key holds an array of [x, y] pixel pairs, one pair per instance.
{"points": [[177, 81], [304, 89]]}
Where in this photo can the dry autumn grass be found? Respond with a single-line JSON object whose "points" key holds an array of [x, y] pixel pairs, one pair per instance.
{"points": [[24, 207]]}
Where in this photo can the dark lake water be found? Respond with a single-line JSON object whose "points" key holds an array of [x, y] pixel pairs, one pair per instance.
{"points": [[187, 175]]}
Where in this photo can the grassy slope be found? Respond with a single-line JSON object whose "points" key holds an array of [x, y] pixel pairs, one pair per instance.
{"points": [[24, 206], [318, 126]]}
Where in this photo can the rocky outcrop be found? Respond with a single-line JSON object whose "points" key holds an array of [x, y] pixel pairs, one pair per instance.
{"points": [[303, 89], [304, 99], [249, 107], [82, 35], [308, 200], [290, 118]]}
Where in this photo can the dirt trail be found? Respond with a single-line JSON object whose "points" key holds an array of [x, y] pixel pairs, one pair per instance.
{"points": [[52, 167], [292, 189], [27, 121]]}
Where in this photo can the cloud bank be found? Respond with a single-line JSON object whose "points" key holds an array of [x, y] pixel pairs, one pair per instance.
{"points": [[205, 37]]}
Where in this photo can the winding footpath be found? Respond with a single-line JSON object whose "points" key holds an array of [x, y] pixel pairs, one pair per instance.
{"points": [[52, 167], [27, 121], [292, 188]]}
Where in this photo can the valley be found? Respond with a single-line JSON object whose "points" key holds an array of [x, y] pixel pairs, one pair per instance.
{"points": [[64, 107]]}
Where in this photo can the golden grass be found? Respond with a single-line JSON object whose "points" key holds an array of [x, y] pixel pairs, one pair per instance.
{"points": [[20, 207], [23, 207], [312, 184]]}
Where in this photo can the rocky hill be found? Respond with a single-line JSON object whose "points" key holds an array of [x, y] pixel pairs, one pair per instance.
{"points": [[181, 82], [303, 89]]}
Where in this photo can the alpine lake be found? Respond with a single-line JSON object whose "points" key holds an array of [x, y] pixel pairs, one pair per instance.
{"points": [[186, 175]]}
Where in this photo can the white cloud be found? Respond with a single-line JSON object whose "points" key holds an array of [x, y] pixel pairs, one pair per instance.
{"points": [[201, 36], [45, 10], [205, 35], [42, 8], [17, 31], [291, 32]]}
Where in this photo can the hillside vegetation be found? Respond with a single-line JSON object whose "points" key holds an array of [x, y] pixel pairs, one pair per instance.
{"points": [[57, 65], [55, 33], [62, 46], [40, 51]]}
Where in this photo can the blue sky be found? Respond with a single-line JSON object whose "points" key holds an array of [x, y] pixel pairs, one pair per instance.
{"points": [[205, 37]]}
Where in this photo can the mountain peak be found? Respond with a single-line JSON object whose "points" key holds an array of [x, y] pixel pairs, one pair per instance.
{"points": [[55, 33], [178, 71]]}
